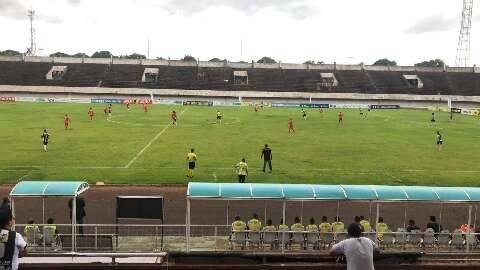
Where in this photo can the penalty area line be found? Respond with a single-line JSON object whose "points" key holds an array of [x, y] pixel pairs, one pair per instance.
{"points": [[149, 143]]}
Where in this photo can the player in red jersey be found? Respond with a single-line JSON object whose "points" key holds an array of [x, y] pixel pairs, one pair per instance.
{"points": [[321, 112], [91, 113], [340, 118], [66, 121], [290, 126], [173, 115], [145, 106]]}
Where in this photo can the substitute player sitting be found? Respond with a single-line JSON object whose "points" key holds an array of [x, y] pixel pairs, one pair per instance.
{"points": [[291, 129], [191, 159], [66, 121]]}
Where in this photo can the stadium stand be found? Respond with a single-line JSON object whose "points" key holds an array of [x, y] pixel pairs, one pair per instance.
{"points": [[249, 76]]}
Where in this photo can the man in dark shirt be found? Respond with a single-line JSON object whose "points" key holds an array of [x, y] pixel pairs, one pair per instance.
{"points": [[434, 225], [267, 157], [411, 226]]}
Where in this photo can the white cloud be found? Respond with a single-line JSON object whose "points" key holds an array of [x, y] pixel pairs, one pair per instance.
{"points": [[433, 23]]}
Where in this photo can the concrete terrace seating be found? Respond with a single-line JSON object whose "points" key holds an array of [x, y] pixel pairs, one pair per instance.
{"points": [[84, 75], [353, 81], [389, 81], [467, 84], [13, 73], [123, 76]]}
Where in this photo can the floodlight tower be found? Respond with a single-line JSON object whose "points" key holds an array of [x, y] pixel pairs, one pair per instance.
{"points": [[32, 50], [463, 47]]}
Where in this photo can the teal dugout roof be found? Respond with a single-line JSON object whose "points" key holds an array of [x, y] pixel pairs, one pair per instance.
{"points": [[234, 191], [48, 188]]}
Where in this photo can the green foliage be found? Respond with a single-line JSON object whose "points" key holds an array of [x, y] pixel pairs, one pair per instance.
{"points": [[431, 63], [134, 56], [59, 54], [393, 147], [10, 53], [215, 60], [385, 62], [266, 60], [102, 54], [80, 55], [311, 62], [189, 58]]}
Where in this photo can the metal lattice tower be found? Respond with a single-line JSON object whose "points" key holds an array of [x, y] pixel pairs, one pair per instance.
{"points": [[463, 47], [32, 50]]}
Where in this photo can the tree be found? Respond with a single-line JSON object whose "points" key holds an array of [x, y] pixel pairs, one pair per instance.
{"points": [[215, 60], [80, 55], [59, 54], [266, 60], [431, 63], [188, 58], [311, 62], [10, 53], [102, 54], [160, 58], [385, 62], [134, 56]]}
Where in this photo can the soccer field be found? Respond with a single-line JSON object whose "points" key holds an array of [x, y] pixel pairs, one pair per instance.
{"points": [[395, 147]]}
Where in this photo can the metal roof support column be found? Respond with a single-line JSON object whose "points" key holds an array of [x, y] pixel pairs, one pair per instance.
{"points": [[74, 221], [441, 212], [338, 208], [284, 222], [370, 211], [376, 221], [187, 228], [475, 217], [301, 214], [228, 210], [468, 237], [12, 206], [405, 215], [43, 222], [265, 214]]}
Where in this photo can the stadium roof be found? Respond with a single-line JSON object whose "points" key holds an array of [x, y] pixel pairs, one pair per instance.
{"points": [[236, 191], [49, 188]]}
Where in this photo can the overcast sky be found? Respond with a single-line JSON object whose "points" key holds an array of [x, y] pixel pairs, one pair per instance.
{"points": [[345, 31]]}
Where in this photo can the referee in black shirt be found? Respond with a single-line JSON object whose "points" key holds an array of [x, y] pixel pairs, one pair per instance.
{"points": [[267, 157]]}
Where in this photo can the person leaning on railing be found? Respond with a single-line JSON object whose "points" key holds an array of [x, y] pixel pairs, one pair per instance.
{"points": [[238, 225], [325, 227], [12, 244], [382, 227], [338, 226], [297, 226], [254, 224], [365, 224], [32, 232]]}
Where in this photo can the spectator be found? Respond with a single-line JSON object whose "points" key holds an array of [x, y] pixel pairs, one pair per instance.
{"points": [[80, 212], [338, 226], [297, 226], [358, 250], [6, 203], [32, 232], [242, 170], [238, 225], [12, 244], [267, 157], [434, 225], [254, 224], [365, 224], [312, 227], [411, 226]]}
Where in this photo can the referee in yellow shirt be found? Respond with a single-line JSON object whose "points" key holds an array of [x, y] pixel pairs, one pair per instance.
{"points": [[191, 159]]}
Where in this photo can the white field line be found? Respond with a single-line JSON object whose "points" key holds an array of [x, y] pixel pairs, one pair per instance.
{"points": [[149, 143]]}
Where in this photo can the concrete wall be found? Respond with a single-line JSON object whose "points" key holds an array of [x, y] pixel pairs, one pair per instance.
{"points": [[15, 90]]}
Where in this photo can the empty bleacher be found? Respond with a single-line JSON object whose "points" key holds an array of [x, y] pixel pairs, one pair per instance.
{"points": [[351, 79]]}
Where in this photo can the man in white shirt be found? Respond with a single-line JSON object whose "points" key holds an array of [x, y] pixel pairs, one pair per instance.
{"points": [[358, 250], [12, 244]]}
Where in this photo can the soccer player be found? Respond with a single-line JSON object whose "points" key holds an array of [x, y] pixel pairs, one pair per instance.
{"points": [[256, 108], [432, 120], [267, 157], [191, 159], [304, 114], [242, 170], [340, 118], [173, 115], [145, 106], [128, 106], [219, 117], [321, 112], [91, 113], [105, 111], [45, 137], [66, 121], [291, 129], [439, 141], [109, 111]]}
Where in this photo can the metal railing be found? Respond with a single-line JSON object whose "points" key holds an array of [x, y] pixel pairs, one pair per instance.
{"points": [[133, 238]]}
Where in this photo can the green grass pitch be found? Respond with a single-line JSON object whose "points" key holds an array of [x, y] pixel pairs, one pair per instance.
{"points": [[394, 147]]}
